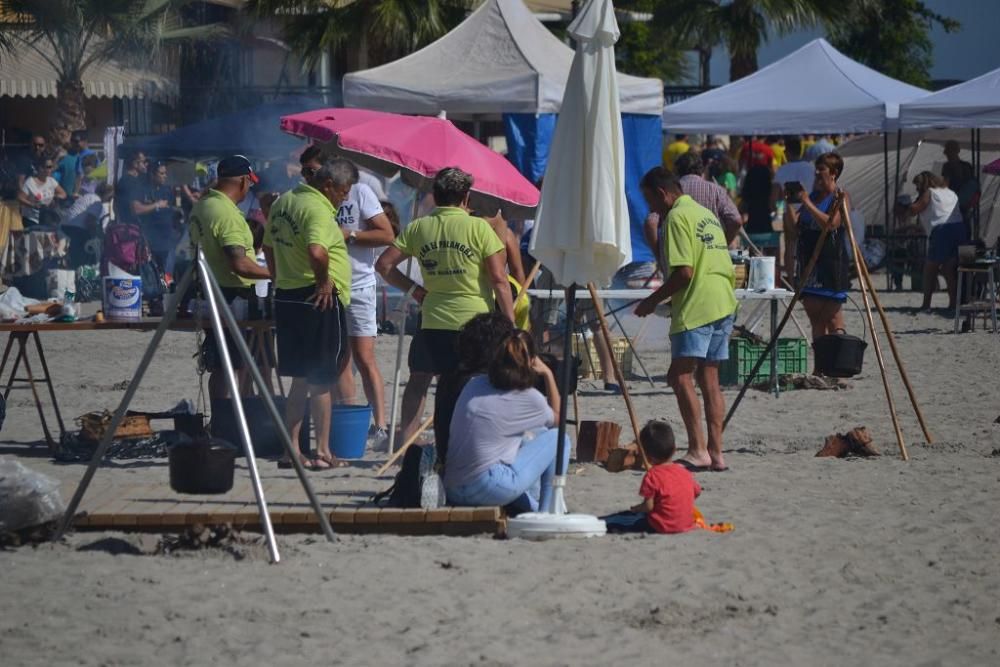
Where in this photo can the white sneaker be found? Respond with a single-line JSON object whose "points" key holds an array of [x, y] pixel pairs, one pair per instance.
{"points": [[379, 438]]}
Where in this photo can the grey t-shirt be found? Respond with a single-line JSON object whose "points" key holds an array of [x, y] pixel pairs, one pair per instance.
{"points": [[488, 426]]}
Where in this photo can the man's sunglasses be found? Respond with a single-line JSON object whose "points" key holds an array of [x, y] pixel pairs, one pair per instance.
{"points": [[39, 145]]}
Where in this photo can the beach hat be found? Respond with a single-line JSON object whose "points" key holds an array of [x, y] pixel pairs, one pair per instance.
{"points": [[235, 166]]}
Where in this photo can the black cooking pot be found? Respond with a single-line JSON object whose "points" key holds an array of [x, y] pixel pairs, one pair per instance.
{"points": [[202, 465], [839, 355]]}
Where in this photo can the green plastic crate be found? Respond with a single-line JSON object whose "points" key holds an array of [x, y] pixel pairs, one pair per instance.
{"points": [[743, 355]]}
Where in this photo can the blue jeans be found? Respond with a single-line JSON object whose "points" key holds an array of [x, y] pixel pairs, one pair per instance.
{"points": [[526, 483], [709, 342]]}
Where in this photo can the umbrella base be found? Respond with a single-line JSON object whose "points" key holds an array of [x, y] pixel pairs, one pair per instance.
{"points": [[545, 526]]}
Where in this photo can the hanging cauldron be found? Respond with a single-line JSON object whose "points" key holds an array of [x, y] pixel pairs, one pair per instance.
{"points": [[202, 465], [839, 355]]}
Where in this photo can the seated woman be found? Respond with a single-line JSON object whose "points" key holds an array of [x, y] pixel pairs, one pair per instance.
{"points": [[502, 449], [826, 288], [477, 342]]}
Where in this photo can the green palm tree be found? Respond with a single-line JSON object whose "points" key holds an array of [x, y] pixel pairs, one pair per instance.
{"points": [[381, 29], [743, 25], [73, 35]]}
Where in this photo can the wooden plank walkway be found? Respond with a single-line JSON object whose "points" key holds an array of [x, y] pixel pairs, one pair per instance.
{"points": [[157, 508]]}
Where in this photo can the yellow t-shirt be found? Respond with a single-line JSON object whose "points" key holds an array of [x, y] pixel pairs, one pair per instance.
{"points": [[673, 151], [779, 155], [216, 222], [452, 247], [695, 237], [298, 219]]}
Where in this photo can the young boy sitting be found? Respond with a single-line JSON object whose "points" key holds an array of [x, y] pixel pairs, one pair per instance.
{"points": [[668, 489]]}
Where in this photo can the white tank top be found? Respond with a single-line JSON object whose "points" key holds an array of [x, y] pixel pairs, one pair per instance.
{"points": [[942, 208]]}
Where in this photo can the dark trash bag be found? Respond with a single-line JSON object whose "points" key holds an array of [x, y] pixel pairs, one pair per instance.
{"points": [[405, 491], [839, 355]]}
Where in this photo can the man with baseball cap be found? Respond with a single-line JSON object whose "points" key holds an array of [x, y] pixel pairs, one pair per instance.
{"points": [[219, 229]]}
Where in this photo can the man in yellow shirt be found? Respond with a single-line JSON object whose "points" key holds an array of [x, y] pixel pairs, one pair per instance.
{"points": [[678, 147], [463, 265], [701, 282], [307, 254], [219, 229]]}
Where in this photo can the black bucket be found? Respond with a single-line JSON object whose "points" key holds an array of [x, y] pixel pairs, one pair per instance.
{"points": [[839, 355], [202, 466]]}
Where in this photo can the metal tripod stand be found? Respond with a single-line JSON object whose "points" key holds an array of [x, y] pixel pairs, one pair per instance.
{"points": [[220, 311]]}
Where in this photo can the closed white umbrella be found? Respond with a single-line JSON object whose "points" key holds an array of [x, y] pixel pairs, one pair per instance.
{"points": [[581, 230]]}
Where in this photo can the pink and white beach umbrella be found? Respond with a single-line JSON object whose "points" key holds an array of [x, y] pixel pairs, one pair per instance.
{"points": [[418, 147]]}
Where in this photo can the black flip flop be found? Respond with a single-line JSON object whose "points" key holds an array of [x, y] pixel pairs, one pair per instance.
{"points": [[723, 469], [690, 467]]}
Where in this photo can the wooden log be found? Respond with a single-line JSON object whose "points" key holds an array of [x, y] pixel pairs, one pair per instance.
{"points": [[596, 440]]}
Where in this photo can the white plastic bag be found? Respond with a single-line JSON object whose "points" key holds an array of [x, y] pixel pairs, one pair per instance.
{"points": [[27, 498]]}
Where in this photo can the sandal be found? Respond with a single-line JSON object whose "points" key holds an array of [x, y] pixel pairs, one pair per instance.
{"points": [[331, 462]]}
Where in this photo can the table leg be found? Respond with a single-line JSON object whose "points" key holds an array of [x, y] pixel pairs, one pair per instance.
{"points": [[6, 355], [774, 352], [34, 392], [19, 337], [48, 381], [993, 298], [958, 297]]}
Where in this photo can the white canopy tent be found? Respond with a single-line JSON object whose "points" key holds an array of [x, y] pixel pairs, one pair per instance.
{"points": [[501, 59], [815, 89], [973, 104], [919, 151]]}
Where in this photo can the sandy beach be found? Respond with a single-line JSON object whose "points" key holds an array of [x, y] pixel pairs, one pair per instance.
{"points": [[832, 562]]}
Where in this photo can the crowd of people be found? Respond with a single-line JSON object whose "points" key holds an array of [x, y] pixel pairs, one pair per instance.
{"points": [[324, 240]]}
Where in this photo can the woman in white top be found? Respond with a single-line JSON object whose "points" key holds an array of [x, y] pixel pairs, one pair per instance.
{"points": [[502, 446], [39, 193], [939, 212]]}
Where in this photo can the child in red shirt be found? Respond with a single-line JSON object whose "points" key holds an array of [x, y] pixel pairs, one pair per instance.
{"points": [[668, 489]]}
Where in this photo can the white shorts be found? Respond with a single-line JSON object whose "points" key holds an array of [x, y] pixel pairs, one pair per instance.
{"points": [[361, 312]]}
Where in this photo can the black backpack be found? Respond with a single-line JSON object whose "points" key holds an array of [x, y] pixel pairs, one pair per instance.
{"points": [[405, 490]]}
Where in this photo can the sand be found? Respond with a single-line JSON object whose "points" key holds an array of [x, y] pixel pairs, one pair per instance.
{"points": [[832, 561]]}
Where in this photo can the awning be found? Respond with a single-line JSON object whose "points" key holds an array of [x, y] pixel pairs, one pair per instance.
{"points": [[28, 75]]}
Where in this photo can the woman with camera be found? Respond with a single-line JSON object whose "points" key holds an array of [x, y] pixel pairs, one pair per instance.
{"points": [[938, 209], [826, 288], [502, 445]]}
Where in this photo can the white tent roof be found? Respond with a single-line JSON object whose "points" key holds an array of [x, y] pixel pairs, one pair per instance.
{"points": [[975, 103], [815, 89], [500, 59]]}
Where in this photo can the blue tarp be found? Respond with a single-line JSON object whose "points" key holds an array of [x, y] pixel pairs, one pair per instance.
{"points": [[252, 132], [529, 137]]}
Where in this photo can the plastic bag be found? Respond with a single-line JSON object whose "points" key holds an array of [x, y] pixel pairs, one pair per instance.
{"points": [[27, 498]]}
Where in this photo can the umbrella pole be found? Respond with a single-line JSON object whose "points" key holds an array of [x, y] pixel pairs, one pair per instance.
{"points": [[557, 504], [618, 376], [396, 376]]}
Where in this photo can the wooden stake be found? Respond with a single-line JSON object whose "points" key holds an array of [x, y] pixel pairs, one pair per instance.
{"points": [[781, 325], [866, 276], [878, 346], [530, 278], [618, 373], [576, 415], [406, 445]]}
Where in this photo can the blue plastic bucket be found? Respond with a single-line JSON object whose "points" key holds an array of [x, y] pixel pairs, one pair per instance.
{"points": [[349, 430]]}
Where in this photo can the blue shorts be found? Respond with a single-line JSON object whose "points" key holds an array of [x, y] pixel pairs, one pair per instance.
{"points": [[944, 241], [709, 342]]}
